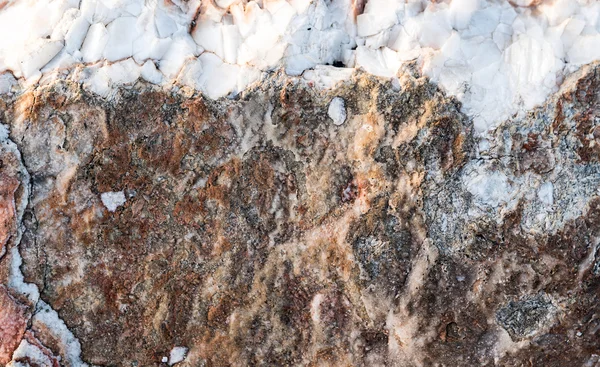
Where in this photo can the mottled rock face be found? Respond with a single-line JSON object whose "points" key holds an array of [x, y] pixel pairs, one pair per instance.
{"points": [[13, 323], [259, 231]]}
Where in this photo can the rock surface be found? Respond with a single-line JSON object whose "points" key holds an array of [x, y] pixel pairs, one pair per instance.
{"points": [[161, 228]]}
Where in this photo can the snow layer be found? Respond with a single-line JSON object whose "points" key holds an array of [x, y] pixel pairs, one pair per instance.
{"points": [[497, 57]]}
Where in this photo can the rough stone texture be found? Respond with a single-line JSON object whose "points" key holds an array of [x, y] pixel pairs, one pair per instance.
{"points": [[12, 325], [256, 232]]}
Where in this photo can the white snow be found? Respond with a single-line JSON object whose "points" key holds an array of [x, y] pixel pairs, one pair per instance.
{"points": [[337, 110], [497, 57], [177, 355], [112, 200]]}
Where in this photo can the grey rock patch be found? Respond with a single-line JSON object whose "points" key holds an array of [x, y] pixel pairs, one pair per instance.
{"points": [[524, 318]]}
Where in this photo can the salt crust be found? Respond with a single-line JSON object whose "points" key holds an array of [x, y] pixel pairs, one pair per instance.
{"points": [[497, 57]]}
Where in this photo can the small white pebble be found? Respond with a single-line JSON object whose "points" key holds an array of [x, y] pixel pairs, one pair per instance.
{"points": [[337, 111], [164, 359], [113, 200], [460, 278], [579, 333]]}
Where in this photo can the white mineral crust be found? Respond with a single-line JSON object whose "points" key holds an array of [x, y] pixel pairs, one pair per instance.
{"points": [[497, 57]]}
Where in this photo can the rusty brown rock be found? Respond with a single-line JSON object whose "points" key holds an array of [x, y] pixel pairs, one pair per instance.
{"points": [[13, 322], [254, 231], [8, 186]]}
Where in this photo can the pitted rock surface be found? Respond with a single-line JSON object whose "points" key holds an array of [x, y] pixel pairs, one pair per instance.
{"points": [[255, 231]]}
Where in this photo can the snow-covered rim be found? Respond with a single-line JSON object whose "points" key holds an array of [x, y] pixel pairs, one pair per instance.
{"points": [[497, 57]]}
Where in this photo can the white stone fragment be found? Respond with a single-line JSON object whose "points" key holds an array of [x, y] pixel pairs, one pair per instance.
{"points": [[337, 110], [165, 26], [490, 188], [383, 62], [208, 34], [40, 53], [177, 355], [282, 14], [212, 76], [434, 29], [179, 51], [121, 34], [6, 83], [113, 200], [461, 12], [585, 49], [231, 42], [148, 47], [546, 193], [326, 76], [150, 73], [105, 79], [63, 60], [76, 34], [377, 16], [94, 43], [64, 25], [225, 3]]}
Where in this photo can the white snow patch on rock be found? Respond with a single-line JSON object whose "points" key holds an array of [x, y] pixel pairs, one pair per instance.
{"points": [[113, 200], [6, 83]]}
